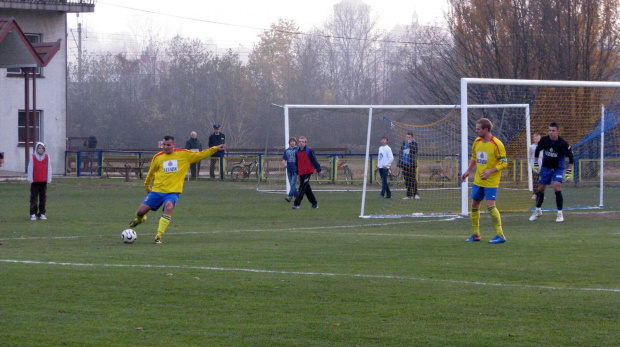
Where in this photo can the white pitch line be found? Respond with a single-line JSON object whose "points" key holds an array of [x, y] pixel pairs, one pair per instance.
{"points": [[291, 230], [325, 274]]}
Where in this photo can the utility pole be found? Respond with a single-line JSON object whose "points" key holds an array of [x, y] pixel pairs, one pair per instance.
{"points": [[79, 29]]}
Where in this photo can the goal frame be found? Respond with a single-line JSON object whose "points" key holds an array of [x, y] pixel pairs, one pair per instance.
{"points": [[465, 82], [525, 107]]}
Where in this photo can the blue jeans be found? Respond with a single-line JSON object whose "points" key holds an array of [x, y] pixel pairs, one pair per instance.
{"points": [[292, 178], [385, 187]]}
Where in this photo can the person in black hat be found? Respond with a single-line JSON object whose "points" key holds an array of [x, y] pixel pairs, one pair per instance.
{"points": [[216, 139]]}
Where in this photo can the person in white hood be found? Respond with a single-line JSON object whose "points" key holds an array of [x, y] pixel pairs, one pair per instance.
{"points": [[39, 175]]}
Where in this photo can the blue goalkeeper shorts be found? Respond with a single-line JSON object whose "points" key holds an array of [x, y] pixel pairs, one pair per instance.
{"points": [[548, 175], [155, 200]]}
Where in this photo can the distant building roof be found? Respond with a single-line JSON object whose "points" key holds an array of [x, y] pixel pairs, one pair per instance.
{"points": [[17, 51], [68, 6]]}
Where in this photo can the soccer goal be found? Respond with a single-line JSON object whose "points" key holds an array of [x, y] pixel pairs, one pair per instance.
{"points": [[587, 113], [348, 158]]}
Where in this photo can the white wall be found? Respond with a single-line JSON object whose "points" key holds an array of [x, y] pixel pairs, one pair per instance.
{"points": [[51, 93]]}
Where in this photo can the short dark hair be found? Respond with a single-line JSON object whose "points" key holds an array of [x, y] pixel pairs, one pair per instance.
{"points": [[169, 137], [385, 137], [410, 133], [555, 125]]}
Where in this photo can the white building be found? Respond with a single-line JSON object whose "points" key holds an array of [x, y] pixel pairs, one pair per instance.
{"points": [[40, 21]]}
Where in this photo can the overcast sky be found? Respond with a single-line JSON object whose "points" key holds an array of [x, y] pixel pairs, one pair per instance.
{"points": [[227, 23]]}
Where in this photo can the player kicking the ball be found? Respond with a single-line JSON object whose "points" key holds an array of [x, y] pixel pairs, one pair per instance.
{"points": [[167, 174], [555, 150], [488, 156]]}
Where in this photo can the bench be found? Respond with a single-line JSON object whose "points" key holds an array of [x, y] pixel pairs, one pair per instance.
{"points": [[124, 166], [88, 164]]}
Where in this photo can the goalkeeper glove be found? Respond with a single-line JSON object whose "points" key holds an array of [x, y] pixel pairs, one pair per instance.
{"points": [[568, 176], [536, 168]]}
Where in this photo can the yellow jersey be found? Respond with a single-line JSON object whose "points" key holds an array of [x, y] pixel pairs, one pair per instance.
{"points": [[489, 155], [169, 170]]}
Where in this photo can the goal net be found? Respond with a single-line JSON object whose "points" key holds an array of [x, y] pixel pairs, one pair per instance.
{"points": [[337, 136], [587, 115], [346, 140], [434, 189]]}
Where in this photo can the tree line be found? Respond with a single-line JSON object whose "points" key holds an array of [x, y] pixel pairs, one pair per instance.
{"points": [[180, 85]]}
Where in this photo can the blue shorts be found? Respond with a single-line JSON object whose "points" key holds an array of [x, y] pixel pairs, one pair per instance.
{"points": [[548, 175], [155, 200], [480, 193]]}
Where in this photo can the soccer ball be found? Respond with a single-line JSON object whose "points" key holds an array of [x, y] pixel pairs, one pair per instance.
{"points": [[129, 236]]}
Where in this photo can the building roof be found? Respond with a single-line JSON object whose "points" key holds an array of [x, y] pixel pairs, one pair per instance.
{"points": [[67, 6], [17, 51]]}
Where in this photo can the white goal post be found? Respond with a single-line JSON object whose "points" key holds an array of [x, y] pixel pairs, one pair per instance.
{"points": [[526, 115], [464, 97]]}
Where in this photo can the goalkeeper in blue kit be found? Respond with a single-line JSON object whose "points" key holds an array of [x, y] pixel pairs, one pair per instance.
{"points": [[556, 150]]}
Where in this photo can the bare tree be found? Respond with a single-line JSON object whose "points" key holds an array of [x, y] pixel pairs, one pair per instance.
{"points": [[351, 34]]}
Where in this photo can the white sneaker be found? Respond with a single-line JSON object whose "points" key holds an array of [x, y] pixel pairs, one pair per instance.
{"points": [[407, 198], [560, 217], [42, 217], [537, 213], [33, 217], [417, 197]]}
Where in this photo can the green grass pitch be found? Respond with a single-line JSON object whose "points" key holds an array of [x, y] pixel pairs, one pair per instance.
{"points": [[241, 268]]}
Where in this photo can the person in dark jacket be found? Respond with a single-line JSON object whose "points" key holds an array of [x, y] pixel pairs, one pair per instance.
{"points": [[408, 163], [193, 144], [306, 165], [289, 160], [216, 139]]}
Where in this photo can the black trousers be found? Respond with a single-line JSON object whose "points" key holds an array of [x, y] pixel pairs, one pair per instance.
{"points": [[215, 161], [411, 182], [38, 196], [194, 170], [304, 188]]}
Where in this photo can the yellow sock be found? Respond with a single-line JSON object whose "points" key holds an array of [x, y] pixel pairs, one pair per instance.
{"points": [[475, 220], [497, 220], [163, 224]]}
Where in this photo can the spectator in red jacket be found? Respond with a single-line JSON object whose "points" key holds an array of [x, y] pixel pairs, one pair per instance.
{"points": [[39, 175], [306, 164]]}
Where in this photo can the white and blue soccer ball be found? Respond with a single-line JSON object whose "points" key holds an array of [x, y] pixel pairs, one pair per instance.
{"points": [[129, 236]]}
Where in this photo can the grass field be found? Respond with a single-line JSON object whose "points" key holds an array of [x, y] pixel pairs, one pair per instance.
{"points": [[241, 268]]}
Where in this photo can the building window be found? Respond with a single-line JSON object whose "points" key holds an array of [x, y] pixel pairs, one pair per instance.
{"points": [[34, 124], [33, 38]]}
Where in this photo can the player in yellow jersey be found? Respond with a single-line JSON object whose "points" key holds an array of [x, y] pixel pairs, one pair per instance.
{"points": [[488, 156], [167, 176]]}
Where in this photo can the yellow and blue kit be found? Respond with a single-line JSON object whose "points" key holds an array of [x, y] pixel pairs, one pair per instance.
{"points": [[169, 170], [487, 156]]}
